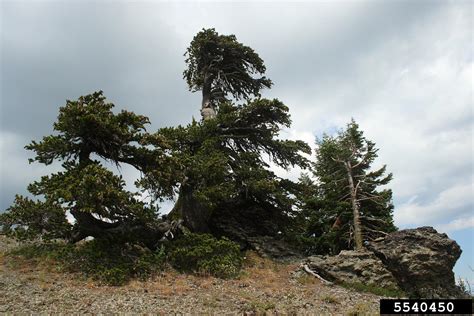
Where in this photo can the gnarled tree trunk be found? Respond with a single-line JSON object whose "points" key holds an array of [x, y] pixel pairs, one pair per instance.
{"points": [[195, 216]]}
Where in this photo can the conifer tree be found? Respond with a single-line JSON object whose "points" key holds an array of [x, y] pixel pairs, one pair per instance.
{"points": [[223, 155], [224, 164], [218, 166], [350, 206], [220, 66], [87, 130]]}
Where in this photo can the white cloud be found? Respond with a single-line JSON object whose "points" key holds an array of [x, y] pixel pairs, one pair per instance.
{"points": [[412, 95], [404, 70], [457, 224], [450, 203]]}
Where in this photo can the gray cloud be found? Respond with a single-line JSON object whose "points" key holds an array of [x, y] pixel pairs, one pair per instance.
{"points": [[402, 69], [55, 51]]}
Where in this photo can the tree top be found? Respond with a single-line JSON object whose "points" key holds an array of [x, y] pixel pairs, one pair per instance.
{"points": [[227, 66]]}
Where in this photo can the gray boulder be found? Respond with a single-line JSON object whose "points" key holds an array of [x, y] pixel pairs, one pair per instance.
{"points": [[353, 267], [421, 260]]}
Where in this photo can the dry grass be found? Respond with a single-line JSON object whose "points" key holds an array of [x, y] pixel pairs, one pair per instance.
{"points": [[360, 309], [264, 274], [331, 299], [306, 279], [264, 287], [168, 283]]}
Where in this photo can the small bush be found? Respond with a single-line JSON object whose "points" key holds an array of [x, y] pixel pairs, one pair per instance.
{"points": [[116, 264], [204, 254], [112, 264], [41, 251]]}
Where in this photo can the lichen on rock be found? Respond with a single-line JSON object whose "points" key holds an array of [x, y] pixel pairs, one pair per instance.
{"points": [[421, 260]]}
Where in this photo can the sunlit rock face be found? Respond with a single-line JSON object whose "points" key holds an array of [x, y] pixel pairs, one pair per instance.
{"points": [[421, 260], [418, 261], [352, 267]]}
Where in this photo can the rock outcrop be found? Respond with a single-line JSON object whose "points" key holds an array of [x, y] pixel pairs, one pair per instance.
{"points": [[421, 260], [352, 267]]}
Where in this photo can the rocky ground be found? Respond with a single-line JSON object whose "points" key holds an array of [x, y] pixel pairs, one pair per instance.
{"points": [[264, 287]]}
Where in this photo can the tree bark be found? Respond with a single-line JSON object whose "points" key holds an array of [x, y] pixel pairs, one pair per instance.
{"points": [[195, 216], [207, 109], [355, 208]]}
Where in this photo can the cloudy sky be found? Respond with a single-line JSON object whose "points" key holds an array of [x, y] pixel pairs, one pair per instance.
{"points": [[402, 69]]}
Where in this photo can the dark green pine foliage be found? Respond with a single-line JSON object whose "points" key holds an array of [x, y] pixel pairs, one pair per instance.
{"points": [[226, 169], [219, 166], [27, 219], [221, 67], [86, 130], [226, 182], [328, 206]]}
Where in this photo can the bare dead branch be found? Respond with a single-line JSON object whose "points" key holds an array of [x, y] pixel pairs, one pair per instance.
{"points": [[308, 270]]}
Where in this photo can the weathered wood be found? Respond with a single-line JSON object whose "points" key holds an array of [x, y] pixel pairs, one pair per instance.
{"points": [[308, 270], [355, 208]]}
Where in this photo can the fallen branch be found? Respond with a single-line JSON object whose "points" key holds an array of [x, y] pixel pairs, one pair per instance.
{"points": [[308, 270]]}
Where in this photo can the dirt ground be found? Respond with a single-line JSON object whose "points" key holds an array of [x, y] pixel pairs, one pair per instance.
{"points": [[264, 287]]}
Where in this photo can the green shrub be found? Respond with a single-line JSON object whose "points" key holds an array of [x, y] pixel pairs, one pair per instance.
{"points": [[112, 264], [116, 264], [204, 254], [53, 251]]}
